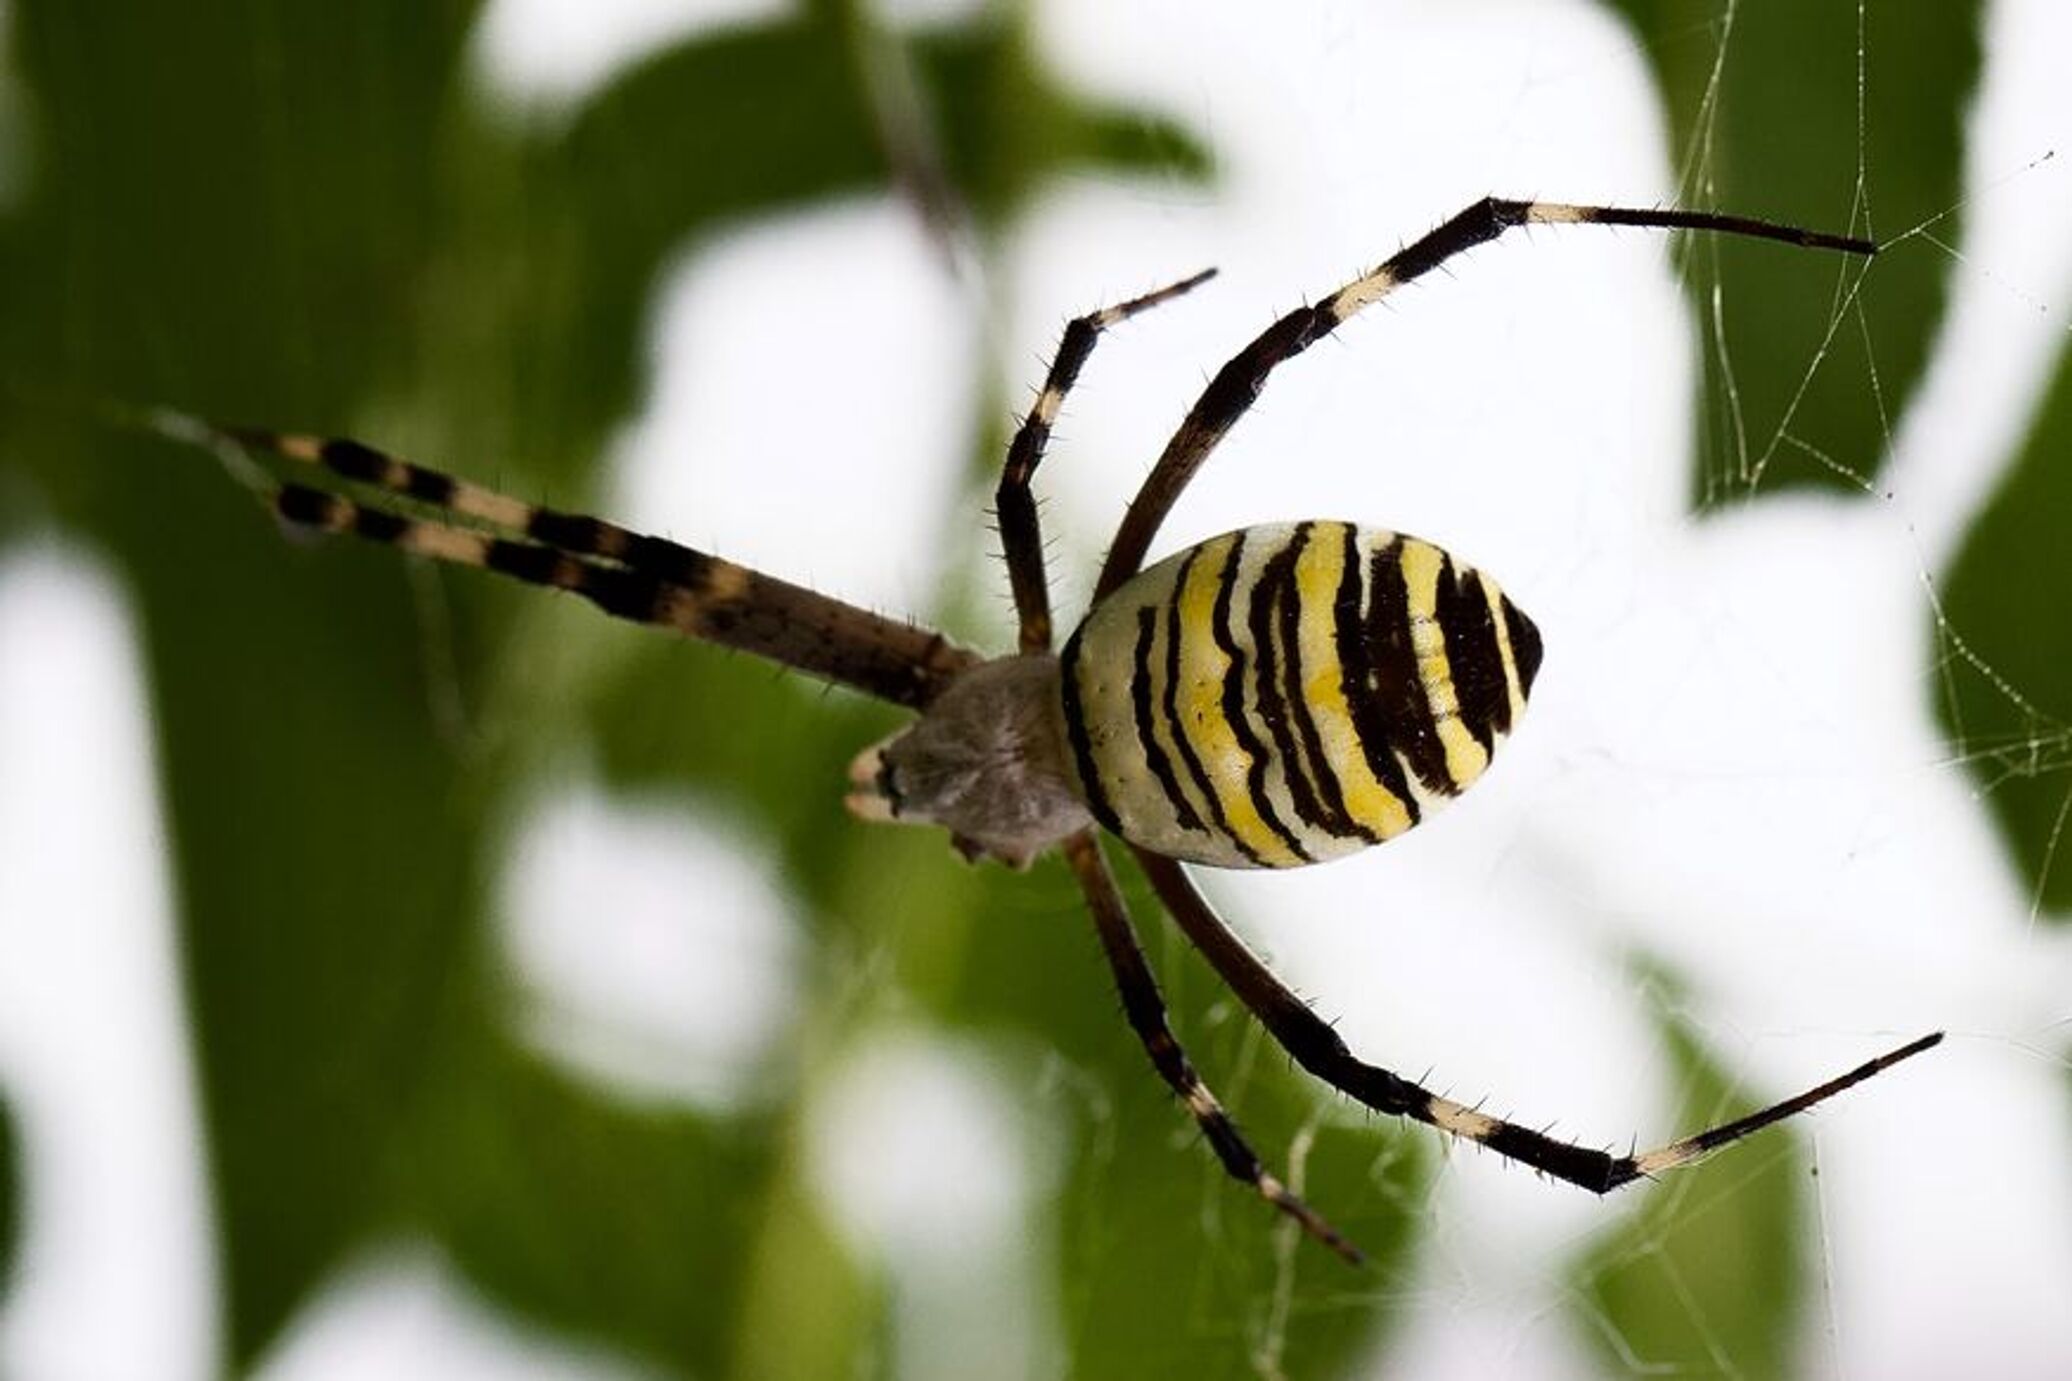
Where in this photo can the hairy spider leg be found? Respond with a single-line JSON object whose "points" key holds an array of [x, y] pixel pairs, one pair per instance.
{"points": [[1021, 533], [1145, 1007], [630, 575], [1233, 390], [1320, 1050], [1237, 385]]}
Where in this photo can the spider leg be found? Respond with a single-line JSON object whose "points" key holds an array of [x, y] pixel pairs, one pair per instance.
{"points": [[355, 462], [1147, 1017], [689, 604], [632, 575], [1237, 385], [1320, 1050], [1020, 530], [700, 596]]}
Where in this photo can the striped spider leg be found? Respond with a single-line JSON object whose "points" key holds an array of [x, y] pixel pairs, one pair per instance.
{"points": [[1272, 697], [651, 580], [1014, 502], [1021, 540], [1237, 385], [1422, 666], [629, 575], [1318, 1048]]}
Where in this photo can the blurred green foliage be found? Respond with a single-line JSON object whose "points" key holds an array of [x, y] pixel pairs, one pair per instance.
{"points": [[2007, 701], [1706, 1279], [301, 213], [1829, 115], [10, 1196]]}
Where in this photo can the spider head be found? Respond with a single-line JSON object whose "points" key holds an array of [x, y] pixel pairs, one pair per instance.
{"points": [[986, 761]]}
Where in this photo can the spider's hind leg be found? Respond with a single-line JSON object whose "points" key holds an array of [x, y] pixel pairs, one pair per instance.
{"points": [[1147, 1016], [1318, 1048]]}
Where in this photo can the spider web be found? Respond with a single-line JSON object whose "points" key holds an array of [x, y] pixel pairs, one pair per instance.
{"points": [[1776, 582], [1728, 854]]}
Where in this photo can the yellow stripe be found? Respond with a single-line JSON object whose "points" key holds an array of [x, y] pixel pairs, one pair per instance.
{"points": [[1503, 647], [443, 543], [1165, 728], [1318, 572], [1200, 703], [1465, 758], [490, 506]]}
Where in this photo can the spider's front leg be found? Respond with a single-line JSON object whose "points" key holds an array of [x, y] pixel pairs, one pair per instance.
{"points": [[1021, 534], [646, 579]]}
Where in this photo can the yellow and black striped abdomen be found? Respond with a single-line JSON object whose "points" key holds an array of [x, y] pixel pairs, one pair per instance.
{"points": [[1288, 694]]}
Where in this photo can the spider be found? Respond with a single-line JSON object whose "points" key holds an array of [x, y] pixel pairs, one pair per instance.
{"points": [[1272, 697]]}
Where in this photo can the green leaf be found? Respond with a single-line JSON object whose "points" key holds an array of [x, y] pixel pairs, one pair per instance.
{"points": [[10, 1197], [2005, 654], [651, 1213], [1765, 120], [1165, 1265], [1168, 1267], [240, 237], [1706, 1278], [303, 214]]}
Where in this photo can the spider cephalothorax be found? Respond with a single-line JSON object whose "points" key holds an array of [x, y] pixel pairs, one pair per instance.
{"points": [[1271, 697], [986, 760]]}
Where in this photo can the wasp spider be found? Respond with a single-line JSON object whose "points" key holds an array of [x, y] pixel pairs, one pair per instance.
{"points": [[1271, 697]]}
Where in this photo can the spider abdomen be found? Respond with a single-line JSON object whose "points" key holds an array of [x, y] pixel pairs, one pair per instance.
{"points": [[1291, 693]]}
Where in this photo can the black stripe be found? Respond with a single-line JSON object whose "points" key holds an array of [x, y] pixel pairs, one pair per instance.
{"points": [[1234, 677], [657, 556], [1397, 688], [1357, 674], [377, 526], [1237, 384], [523, 561], [352, 460], [1330, 791], [1277, 710], [429, 486], [1595, 1170], [1188, 757], [631, 595], [671, 561], [1478, 224], [1525, 645], [1147, 730], [1082, 745], [569, 531], [1479, 683], [576, 533], [362, 464], [306, 507], [1073, 350]]}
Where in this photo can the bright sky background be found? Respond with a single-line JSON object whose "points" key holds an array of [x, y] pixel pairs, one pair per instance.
{"points": [[1530, 412]]}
